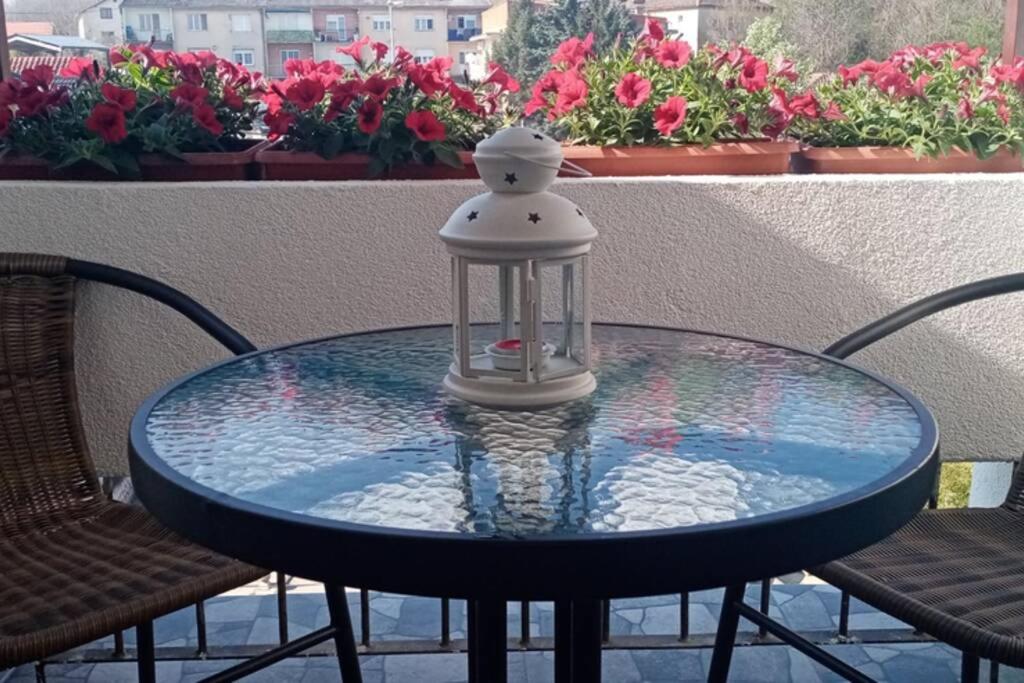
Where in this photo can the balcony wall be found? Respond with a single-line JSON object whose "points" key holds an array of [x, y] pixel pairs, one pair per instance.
{"points": [[796, 259]]}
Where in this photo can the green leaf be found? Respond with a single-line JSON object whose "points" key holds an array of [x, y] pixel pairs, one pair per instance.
{"points": [[447, 155], [377, 167]]}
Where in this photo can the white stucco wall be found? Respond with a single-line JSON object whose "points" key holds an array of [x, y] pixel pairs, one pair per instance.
{"points": [[220, 36], [92, 25], [796, 259], [684, 24]]}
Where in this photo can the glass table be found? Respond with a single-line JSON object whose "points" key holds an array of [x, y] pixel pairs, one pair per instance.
{"points": [[700, 461]]}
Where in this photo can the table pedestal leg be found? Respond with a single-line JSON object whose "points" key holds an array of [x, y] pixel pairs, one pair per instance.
{"points": [[488, 641], [578, 641]]}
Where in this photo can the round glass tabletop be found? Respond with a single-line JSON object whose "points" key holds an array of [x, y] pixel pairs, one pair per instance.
{"points": [[684, 429]]}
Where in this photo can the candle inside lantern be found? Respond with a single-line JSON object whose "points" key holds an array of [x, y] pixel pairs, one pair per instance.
{"points": [[509, 345]]}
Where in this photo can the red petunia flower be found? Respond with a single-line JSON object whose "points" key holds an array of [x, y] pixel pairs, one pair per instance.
{"points": [[966, 108], [805, 105], [429, 81], [545, 85], [107, 121], [189, 94], [380, 50], [675, 54], [501, 78], [970, 59], [305, 93], [342, 95], [784, 68], [355, 50], [754, 74], [833, 113], [122, 97], [83, 68], [425, 126], [278, 123], [572, 94], [38, 77], [369, 115], [378, 87], [654, 30], [741, 122], [670, 114], [464, 99], [206, 117], [116, 55], [232, 100], [633, 90], [573, 52], [780, 113]]}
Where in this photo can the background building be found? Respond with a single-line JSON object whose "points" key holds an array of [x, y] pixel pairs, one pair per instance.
{"points": [[102, 23]]}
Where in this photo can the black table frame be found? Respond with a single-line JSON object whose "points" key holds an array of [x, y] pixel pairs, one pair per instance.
{"points": [[576, 572]]}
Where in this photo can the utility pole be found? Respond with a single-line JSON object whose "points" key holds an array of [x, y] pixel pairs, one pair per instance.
{"points": [[1013, 33]]}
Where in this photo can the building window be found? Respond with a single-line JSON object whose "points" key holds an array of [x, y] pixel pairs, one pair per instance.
{"points": [[244, 57], [463, 58], [241, 23], [197, 22], [106, 13], [335, 22], [289, 54], [424, 23], [149, 22], [423, 56], [381, 23], [465, 21]]}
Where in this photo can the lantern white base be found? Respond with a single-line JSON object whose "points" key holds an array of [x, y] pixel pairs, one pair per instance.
{"points": [[495, 392]]}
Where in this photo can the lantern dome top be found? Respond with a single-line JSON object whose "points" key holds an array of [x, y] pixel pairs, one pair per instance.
{"points": [[506, 226], [518, 160]]}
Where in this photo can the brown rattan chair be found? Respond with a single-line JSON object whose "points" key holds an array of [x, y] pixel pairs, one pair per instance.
{"points": [[957, 575], [74, 565]]}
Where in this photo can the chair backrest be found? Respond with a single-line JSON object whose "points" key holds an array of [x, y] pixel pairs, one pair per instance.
{"points": [[883, 327], [46, 474]]}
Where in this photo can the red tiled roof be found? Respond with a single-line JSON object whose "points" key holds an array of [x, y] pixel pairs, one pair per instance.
{"points": [[36, 28]]}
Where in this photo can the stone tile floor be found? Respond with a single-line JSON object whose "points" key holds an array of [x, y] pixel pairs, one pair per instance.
{"points": [[249, 616]]}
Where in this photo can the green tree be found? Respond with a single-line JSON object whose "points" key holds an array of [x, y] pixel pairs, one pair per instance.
{"points": [[533, 33], [765, 38]]}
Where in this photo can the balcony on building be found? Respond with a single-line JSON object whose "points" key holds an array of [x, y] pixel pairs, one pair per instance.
{"points": [[462, 34]]}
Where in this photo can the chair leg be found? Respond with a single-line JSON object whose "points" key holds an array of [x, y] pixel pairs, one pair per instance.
{"points": [[40, 672], [147, 657], [725, 639], [970, 668], [344, 636]]}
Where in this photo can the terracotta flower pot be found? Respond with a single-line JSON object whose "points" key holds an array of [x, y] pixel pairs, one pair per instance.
{"points": [[197, 166], [14, 167], [279, 164], [722, 158], [900, 160]]}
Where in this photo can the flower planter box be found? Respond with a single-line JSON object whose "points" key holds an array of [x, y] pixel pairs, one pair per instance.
{"points": [[278, 164], [197, 166], [900, 160], [13, 167], [723, 158]]}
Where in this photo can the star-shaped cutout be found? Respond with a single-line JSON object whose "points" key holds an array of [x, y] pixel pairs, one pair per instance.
{"points": [[472, 215], [534, 218], [538, 136], [511, 179], [579, 210]]}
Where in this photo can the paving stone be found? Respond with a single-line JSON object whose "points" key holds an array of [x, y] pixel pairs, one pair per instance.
{"points": [[391, 607], [760, 664], [127, 672], [912, 668], [620, 627], [172, 627], [436, 668], [879, 653], [661, 621], [710, 596], [805, 612], [231, 609], [420, 618], [619, 666], [265, 632], [702, 620], [652, 601], [303, 609], [872, 620], [633, 616], [540, 667], [656, 666], [802, 668]]}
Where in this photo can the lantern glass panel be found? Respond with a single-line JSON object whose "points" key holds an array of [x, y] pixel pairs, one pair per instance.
{"points": [[493, 295], [561, 308]]}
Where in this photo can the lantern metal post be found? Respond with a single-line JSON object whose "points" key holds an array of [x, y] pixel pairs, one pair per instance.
{"points": [[507, 300]]}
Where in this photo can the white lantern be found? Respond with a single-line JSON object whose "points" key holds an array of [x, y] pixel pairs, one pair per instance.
{"points": [[528, 247]]}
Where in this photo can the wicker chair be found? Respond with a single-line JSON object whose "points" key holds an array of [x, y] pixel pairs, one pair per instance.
{"points": [[74, 565], [957, 575]]}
